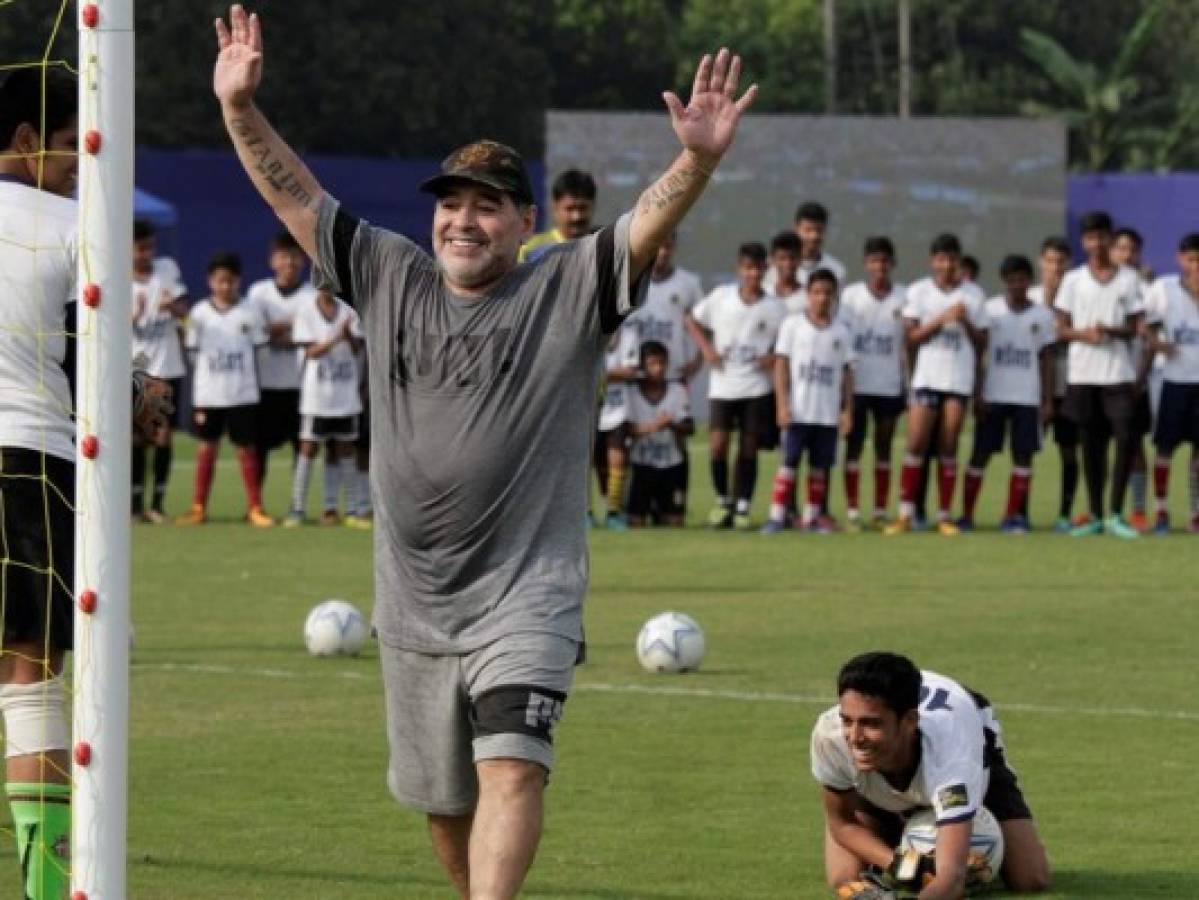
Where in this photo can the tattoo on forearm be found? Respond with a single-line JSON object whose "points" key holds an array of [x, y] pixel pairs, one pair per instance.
{"points": [[273, 171], [669, 188]]}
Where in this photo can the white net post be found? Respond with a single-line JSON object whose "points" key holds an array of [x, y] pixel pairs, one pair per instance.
{"points": [[101, 662]]}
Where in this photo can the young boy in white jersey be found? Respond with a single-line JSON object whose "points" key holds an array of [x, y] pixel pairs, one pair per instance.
{"points": [[1173, 326], [785, 250], [610, 455], [901, 740], [946, 327], [330, 335], [38, 328], [813, 387], [1099, 311], [1053, 262], [223, 333], [735, 328], [659, 416], [873, 309], [1017, 392], [159, 303], [810, 226], [279, 362]]}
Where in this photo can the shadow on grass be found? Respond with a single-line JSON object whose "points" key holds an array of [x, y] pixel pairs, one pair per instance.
{"points": [[248, 874], [1125, 885]]}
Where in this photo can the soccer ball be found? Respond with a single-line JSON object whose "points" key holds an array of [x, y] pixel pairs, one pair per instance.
{"points": [[670, 642], [986, 837], [335, 628]]}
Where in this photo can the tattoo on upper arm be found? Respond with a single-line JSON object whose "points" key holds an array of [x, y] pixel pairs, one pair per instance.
{"points": [[276, 174], [669, 188]]}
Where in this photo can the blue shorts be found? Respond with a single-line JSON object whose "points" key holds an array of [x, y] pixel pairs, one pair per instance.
{"points": [[819, 441], [1023, 422], [1177, 417], [931, 399], [879, 407]]}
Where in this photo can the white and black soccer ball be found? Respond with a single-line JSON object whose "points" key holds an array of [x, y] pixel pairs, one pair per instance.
{"points": [[986, 837], [335, 628], [670, 642]]}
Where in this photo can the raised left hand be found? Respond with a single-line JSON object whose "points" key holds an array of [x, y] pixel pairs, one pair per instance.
{"points": [[706, 125]]}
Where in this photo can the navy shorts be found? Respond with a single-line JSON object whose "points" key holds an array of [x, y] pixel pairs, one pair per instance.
{"points": [[278, 418], [819, 441], [1177, 417], [931, 399], [240, 422], [866, 406], [1065, 429], [1022, 422]]}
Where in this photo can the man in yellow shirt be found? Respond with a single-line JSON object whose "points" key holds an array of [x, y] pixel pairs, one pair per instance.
{"points": [[573, 194]]}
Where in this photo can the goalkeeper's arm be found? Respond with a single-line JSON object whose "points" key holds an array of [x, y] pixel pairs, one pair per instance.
{"points": [[953, 848], [279, 174]]}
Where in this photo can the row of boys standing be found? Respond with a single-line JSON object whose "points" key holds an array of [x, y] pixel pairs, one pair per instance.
{"points": [[282, 364]]}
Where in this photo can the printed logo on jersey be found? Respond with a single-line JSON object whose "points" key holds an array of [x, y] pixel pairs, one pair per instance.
{"points": [[761, 325], [675, 299], [1035, 328], [1186, 336], [814, 373], [870, 344], [454, 361], [953, 796], [1011, 356]]}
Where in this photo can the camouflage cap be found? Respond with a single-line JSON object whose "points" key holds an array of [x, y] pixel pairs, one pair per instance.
{"points": [[484, 162]]}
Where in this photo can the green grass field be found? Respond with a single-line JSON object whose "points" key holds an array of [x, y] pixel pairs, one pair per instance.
{"points": [[258, 772]]}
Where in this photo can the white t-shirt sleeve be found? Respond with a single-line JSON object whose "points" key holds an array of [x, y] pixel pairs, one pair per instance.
{"points": [[1064, 301], [977, 311], [195, 325], [1156, 301], [355, 324], [782, 344], [831, 765], [704, 311], [302, 331]]}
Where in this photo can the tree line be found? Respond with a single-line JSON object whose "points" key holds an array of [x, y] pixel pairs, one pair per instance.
{"points": [[360, 77]]}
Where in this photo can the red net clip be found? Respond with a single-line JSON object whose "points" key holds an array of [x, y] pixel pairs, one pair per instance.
{"points": [[91, 295], [91, 15], [88, 601], [91, 142], [83, 753], [79, 895], [90, 446]]}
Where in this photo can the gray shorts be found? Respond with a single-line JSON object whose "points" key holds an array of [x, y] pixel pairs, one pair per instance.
{"points": [[445, 713]]}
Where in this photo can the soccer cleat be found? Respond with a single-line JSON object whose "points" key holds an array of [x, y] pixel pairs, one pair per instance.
{"points": [[330, 517], [964, 524], [194, 516], [741, 522], [902, 525], [1087, 528], [919, 523], [853, 525], [258, 518], [616, 522], [156, 517], [293, 519], [1195, 524], [946, 528], [1139, 521], [358, 523], [878, 522], [821, 525], [1014, 525], [1082, 519], [1116, 526], [1162, 523], [773, 527], [720, 517], [1062, 525]]}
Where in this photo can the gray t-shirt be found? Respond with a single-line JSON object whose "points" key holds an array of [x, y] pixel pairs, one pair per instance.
{"points": [[482, 415]]}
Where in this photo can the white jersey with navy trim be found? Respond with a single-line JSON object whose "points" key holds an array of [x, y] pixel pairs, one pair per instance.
{"points": [[816, 360], [1061, 349], [878, 338], [38, 252], [951, 777], [660, 318], [279, 366], [1176, 310], [224, 342], [624, 352], [659, 450], [742, 333], [946, 361], [156, 328], [329, 386], [805, 270], [1014, 345]]}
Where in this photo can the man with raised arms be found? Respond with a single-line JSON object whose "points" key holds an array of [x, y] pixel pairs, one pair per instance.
{"points": [[483, 378]]}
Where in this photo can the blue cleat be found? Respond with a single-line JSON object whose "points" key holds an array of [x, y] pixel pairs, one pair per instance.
{"points": [[773, 527]]}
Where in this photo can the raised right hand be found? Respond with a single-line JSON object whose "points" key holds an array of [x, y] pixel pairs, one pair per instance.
{"points": [[238, 70]]}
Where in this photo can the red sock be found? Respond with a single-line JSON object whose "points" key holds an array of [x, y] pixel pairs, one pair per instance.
{"points": [[1161, 482], [852, 474], [205, 466], [1017, 491], [909, 479], [782, 494], [947, 477], [882, 485], [817, 488], [248, 460], [971, 486]]}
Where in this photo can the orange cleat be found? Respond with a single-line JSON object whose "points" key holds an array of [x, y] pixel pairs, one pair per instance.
{"points": [[197, 515], [258, 518]]}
